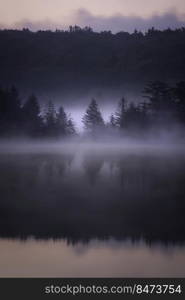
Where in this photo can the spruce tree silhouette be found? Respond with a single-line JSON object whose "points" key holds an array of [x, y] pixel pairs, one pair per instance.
{"points": [[120, 114], [71, 127], [31, 116], [50, 121], [93, 120], [62, 121]]}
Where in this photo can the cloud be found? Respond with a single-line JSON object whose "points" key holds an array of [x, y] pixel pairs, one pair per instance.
{"points": [[114, 23], [129, 23]]}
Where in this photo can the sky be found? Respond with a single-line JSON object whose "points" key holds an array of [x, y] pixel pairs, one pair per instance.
{"points": [[112, 15]]}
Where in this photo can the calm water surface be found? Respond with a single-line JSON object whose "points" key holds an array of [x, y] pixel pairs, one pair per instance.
{"points": [[83, 211]]}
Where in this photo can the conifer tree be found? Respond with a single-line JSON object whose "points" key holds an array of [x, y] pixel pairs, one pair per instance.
{"points": [[51, 121], [31, 116], [112, 122], [62, 121], [71, 127], [120, 114], [93, 119]]}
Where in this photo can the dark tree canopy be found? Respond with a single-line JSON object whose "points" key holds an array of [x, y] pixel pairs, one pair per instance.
{"points": [[31, 116], [159, 95], [50, 120], [31, 108], [120, 114], [71, 127], [93, 119], [62, 121], [163, 109], [80, 56], [10, 110], [178, 93]]}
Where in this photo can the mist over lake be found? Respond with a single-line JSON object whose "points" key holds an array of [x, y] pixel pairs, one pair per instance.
{"points": [[92, 139], [85, 197]]}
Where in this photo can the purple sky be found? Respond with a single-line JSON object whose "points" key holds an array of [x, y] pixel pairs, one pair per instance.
{"points": [[112, 15]]}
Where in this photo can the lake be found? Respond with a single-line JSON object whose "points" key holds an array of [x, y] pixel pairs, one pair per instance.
{"points": [[92, 211]]}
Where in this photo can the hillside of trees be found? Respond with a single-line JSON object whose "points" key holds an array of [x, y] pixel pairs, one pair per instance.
{"points": [[80, 57], [163, 107], [27, 119]]}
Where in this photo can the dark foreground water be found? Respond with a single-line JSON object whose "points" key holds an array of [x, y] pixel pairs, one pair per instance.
{"points": [[82, 211]]}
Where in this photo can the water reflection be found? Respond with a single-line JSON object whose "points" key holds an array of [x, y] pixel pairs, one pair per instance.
{"points": [[81, 196], [96, 259]]}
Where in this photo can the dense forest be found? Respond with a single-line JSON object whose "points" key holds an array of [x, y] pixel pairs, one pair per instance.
{"points": [[79, 57], [163, 107]]}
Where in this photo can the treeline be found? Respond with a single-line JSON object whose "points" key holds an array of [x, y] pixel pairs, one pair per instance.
{"points": [[163, 106], [27, 119], [80, 57]]}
